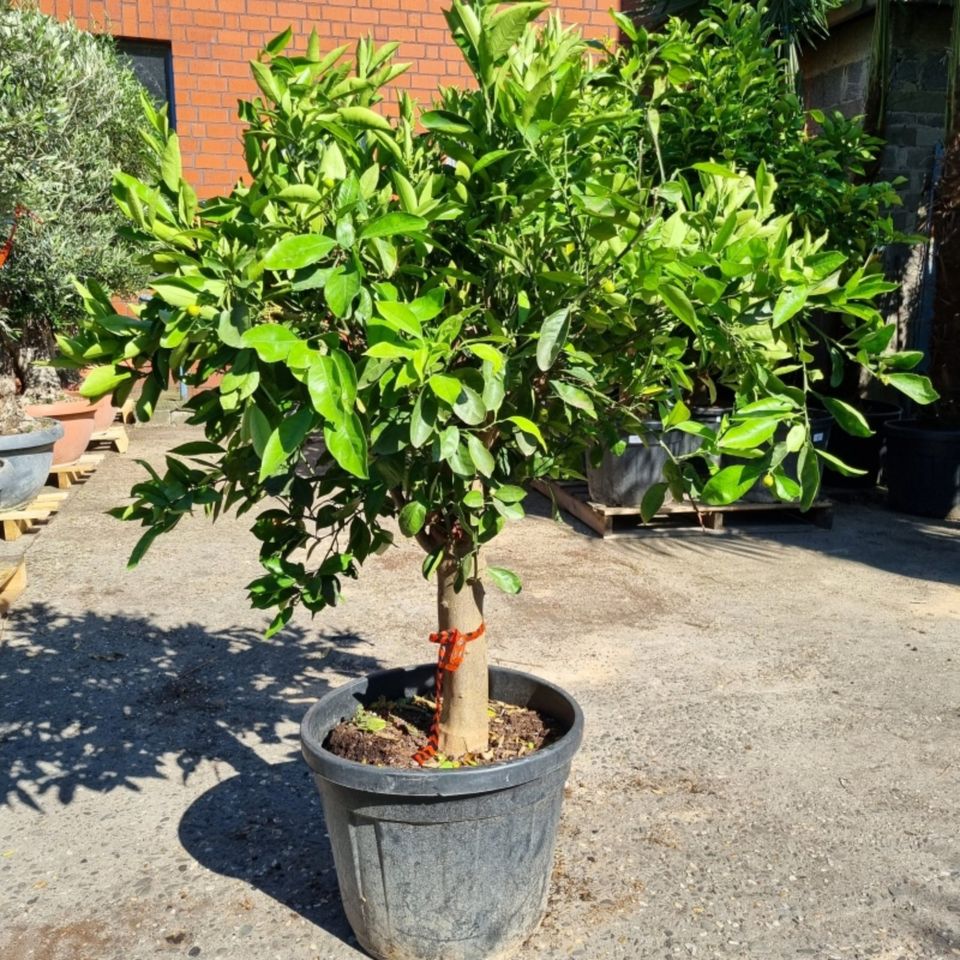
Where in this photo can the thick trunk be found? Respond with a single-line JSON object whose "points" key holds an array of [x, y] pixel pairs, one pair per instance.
{"points": [[463, 722]]}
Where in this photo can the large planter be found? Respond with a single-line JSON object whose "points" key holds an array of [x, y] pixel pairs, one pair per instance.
{"points": [[105, 412], [864, 453], [622, 481], [25, 461], [923, 468], [442, 864], [77, 418]]}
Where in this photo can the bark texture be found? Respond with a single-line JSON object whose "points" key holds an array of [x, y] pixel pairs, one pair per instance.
{"points": [[463, 721]]}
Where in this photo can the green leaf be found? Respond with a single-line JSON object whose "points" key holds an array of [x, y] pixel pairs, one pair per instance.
{"points": [[808, 473], [509, 493], [279, 43], [423, 419], [652, 501], [488, 354], [449, 441], [446, 388], [474, 499], [717, 170], [364, 117], [266, 81], [391, 224], [480, 455], [171, 168], [469, 406], [529, 427], [506, 27], [284, 441], [790, 302], [505, 579], [400, 317], [332, 166], [102, 380], [443, 121], [749, 434], [553, 334], [300, 193], [850, 419], [574, 397], [324, 389], [412, 518], [837, 464], [177, 291], [347, 444], [271, 341], [431, 562], [730, 483], [680, 305], [918, 388], [295, 252], [340, 290]]}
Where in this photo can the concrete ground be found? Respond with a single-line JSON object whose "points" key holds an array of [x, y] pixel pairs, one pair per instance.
{"points": [[771, 767]]}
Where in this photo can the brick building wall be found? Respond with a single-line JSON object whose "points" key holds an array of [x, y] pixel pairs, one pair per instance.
{"points": [[212, 41]]}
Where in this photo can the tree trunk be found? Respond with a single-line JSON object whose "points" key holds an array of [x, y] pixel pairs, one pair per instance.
{"points": [[463, 721]]}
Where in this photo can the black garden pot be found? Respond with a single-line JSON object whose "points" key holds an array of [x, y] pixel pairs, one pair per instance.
{"points": [[923, 468]]}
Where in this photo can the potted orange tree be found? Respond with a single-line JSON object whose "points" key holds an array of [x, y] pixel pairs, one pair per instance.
{"points": [[410, 326]]}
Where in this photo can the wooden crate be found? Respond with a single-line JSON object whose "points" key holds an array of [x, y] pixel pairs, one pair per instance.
{"points": [[115, 438], [13, 581], [15, 523], [612, 522], [65, 475]]}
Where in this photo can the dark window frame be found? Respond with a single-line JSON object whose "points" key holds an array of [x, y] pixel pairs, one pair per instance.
{"points": [[127, 47]]}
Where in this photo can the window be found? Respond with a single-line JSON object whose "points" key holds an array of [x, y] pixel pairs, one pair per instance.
{"points": [[152, 62]]}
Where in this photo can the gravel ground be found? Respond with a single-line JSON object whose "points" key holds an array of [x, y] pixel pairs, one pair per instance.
{"points": [[770, 769]]}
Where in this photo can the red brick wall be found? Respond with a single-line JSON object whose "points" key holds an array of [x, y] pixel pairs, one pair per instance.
{"points": [[212, 40]]}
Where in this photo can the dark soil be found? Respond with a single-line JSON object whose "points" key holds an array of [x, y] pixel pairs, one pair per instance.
{"points": [[514, 732]]}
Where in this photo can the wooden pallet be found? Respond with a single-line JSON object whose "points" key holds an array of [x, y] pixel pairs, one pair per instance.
{"points": [[612, 522], [15, 523], [13, 581], [65, 475], [114, 437]]}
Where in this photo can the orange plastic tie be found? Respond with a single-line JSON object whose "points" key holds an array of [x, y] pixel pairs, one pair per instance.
{"points": [[453, 648]]}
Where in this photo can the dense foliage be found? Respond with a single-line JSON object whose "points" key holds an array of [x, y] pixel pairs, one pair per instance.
{"points": [[70, 114], [459, 311]]}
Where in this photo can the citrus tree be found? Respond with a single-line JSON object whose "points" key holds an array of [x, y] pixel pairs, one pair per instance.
{"points": [[413, 324]]}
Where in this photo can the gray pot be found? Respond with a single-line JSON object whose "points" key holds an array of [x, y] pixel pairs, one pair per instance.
{"points": [[25, 460], [442, 864]]}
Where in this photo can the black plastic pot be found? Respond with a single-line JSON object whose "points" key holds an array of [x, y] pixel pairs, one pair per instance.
{"points": [[442, 864], [622, 481], [864, 453], [923, 468]]}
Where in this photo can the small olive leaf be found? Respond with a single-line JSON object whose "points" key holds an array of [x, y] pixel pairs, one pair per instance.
{"points": [[480, 455], [553, 334], [412, 518], [652, 501], [505, 579], [392, 224], [296, 252], [917, 387], [850, 419]]}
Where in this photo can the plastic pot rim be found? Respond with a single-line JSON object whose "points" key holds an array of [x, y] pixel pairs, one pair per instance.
{"points": [[47, 436], [397, 782]]}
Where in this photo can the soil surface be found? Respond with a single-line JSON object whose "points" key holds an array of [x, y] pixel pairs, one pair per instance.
{"points": [[770, 767], [403, 729]]}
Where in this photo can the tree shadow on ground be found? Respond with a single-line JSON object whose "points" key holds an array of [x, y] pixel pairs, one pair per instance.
{"points": [[104, 702]]}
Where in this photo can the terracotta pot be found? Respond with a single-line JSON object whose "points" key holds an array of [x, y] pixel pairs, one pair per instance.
{"points": [[78, 425], [25, 460], [105, 414]]}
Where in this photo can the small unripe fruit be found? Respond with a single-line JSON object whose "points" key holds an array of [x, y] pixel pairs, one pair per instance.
{"points": [[193, 310], [568, 248], [329, 182], [608, 286], [767, 480]]}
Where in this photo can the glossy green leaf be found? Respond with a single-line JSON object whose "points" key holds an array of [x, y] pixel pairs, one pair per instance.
{"points": [[347, 444], [480, 455], [284, 441], [918, 388], [850, 419], [271, 341], [412, 517], [505, 579], [446, 388], [553, 335], [392, 224], [296, 252], [340, 290]]}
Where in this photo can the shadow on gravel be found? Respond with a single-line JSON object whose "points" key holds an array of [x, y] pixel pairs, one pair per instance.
{"points": [[265, 827], [101, 702]]}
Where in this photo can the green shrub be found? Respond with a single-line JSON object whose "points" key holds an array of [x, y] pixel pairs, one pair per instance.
{"points": [[70, 115]]}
